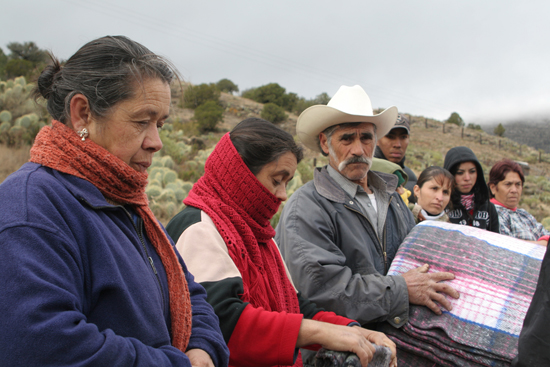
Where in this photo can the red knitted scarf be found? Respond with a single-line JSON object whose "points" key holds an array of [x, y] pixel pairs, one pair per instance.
{"points": [[60, 148], [241, 207]]}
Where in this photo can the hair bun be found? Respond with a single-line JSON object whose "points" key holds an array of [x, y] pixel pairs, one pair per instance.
{"points": [[47, 78]]}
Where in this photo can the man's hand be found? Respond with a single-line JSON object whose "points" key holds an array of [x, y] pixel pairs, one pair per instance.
{"points": [[199, 358], [424, 288]]}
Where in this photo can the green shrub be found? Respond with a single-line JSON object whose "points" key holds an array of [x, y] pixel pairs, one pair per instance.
{"points": [[499, 130], [272, 112], [455, 119], [18, 67], [208, 115], [305, 168], [227, 86], [273, 93], [197, 95], [474, 126]]}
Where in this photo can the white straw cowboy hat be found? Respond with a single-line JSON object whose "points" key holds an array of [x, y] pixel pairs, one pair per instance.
{"points": [[349, 104]]}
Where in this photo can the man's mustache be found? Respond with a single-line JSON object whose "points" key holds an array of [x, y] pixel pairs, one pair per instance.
{"points": [[354, 159]]}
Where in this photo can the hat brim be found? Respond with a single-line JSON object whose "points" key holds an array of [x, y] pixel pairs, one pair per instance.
{"points": [[317, 118]]}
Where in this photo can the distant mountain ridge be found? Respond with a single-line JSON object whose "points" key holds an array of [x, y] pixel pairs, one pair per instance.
{"points": [[534, 133]]}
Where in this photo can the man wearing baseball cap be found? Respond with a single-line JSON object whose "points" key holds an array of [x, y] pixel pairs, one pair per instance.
{"points": [[339, 232], [393, 147]]}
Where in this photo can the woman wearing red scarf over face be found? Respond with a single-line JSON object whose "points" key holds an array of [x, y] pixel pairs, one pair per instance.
{"points": [[225, 236], [89, 276]]}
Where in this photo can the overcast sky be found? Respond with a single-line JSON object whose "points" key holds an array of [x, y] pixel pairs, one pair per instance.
{"points": [[488, 60]]}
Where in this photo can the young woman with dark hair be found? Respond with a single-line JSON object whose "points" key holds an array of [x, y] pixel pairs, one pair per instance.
{"points": [[506, 185], [433, 194], [470, 200], [225, 236]]}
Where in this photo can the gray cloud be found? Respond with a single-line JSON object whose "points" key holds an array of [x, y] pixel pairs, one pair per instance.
{"points": [[486, 60]]}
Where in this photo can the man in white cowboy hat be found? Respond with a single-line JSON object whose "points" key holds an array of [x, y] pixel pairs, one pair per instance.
{"points": [[339, 232]]}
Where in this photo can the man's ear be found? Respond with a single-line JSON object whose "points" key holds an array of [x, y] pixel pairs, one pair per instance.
{"points": [[79, 112], [324, 143]]}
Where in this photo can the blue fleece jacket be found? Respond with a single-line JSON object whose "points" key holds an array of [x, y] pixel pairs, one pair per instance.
{"points": [[76, 284]]}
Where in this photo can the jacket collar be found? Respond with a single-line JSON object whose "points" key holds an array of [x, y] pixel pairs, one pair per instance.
{"points": [[81, 189], [378, 154], [328, 188]]}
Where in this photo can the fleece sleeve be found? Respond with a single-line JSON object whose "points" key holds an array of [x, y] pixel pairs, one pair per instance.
{"points": [[43, 320], [205, 331]]}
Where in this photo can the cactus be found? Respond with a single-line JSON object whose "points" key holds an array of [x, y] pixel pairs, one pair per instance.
{"points": [[169, 177], [156, 208], [156, 163], [23, 121], [153, 191], [167, 162], [5, 127], [20, 80], [170, 209], [187, 186], [167, 195], [5, 116], [180, 194], [154, 183]]}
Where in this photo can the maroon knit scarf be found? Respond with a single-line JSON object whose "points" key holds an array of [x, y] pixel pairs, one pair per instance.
{"points": [[60, 148], [241, 208]]}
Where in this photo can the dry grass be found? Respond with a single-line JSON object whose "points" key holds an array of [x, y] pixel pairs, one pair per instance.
{"points": [[11, 159]]}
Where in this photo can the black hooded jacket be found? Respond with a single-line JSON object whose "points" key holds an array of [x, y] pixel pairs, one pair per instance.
{"points": [[484, 215]]}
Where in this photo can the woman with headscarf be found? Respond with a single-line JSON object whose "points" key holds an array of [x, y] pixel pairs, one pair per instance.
{"points": [[506, 184], [227, 221], [89, 276], [470, 199]]}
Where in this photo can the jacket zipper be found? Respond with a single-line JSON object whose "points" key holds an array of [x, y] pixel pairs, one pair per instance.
{"points": [[149, 258], [382, 243], [140, 235], [374, 230]]}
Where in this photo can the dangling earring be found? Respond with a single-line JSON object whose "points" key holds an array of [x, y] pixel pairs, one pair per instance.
{"points": [[83, 134]]}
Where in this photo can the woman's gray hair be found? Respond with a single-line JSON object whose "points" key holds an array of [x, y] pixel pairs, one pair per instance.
{"points": [[106, 71]]}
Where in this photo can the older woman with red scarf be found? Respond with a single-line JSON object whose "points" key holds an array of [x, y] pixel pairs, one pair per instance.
{"points": [[225, 236], [89, 276]]}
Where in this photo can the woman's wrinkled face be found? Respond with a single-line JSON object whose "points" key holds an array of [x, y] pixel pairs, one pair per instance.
{"points": [[131, 130], [466, 177], [434, 195], [508, 191], [277, 174]]}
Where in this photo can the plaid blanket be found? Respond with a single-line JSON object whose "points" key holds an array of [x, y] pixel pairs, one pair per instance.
{"points": [[496, 277]]}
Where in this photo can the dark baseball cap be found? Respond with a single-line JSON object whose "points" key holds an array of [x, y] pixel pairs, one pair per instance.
{"points": [[402, 123]]}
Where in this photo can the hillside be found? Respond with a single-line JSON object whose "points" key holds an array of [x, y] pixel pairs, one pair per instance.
{"points": [[534, 133], [185, 152]]}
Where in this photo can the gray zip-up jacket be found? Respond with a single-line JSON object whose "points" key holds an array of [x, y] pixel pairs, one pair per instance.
{"points": [[334, 254]]}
